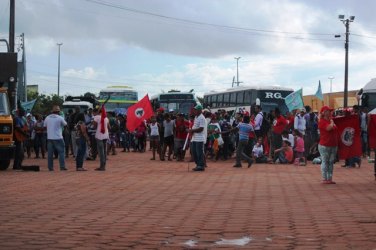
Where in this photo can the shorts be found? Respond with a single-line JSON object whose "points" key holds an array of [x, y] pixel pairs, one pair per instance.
{"points": [[169, 140]]}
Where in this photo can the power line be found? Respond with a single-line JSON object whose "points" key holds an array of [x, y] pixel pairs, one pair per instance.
{"points": [[227, 27]]}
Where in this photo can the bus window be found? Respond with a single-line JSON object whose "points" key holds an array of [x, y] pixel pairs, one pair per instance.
{"points": [[247, 98], [232, 99], [226, 100], [219, 100], [206, 101], [240, 98]]}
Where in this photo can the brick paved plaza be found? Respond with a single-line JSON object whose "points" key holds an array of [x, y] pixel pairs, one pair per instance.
{"points": [[140, 204]]}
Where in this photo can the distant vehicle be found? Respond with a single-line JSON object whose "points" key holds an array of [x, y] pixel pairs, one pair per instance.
{"points": [[121, 97], [244, 98], [84, 105], [175, 101], [368, 96]]}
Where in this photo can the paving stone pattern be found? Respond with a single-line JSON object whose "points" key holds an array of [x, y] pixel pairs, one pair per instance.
{"points": [[143, 204]]}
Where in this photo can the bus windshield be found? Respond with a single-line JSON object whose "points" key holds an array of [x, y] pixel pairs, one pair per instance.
{"points": [[4, 106], [119, 98], [178, 107]]}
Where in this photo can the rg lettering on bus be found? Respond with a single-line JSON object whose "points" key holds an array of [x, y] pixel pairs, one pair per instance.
{"points": [[271, 95]]}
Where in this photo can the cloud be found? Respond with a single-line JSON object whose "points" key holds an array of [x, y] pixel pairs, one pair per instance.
{"points": [[86, 73]]}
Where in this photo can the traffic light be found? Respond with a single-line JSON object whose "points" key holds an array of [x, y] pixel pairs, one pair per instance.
{"points": [[8, 68]]}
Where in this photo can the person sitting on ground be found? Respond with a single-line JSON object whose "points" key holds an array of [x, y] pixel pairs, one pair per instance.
{"points": [[290, 137], [313, 151], [284, 155], [258, 152]]}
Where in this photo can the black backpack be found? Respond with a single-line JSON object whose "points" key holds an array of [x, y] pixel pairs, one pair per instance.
{"points": [[265, 125]]}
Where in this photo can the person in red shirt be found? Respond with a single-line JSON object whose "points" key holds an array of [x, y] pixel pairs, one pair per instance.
{"points": [[290, 116], [279, 125], [328, 144], [181, 127]]}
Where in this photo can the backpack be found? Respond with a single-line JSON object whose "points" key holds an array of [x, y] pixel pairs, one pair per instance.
{"points": [[265, 125]]}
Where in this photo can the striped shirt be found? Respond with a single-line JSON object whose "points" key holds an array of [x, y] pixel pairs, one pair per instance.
{"points": [[200, 122]]}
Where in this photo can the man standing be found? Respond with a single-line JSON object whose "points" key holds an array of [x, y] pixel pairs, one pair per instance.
{"points": [[101, 124], [198, 138], [300, 122], [21, 135], [279, 124], [258, 121], [55, 124]]}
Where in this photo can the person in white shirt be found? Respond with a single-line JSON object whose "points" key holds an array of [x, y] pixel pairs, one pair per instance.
{"points": [[54, 124], [198, 138], [258, 121], [300, 122], [101, 136]]}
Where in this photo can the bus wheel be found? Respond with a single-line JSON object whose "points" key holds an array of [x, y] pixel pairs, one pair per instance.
{"points": [[4, 164]]}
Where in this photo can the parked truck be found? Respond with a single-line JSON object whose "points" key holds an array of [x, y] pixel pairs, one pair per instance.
{"points": [[8, 81]]}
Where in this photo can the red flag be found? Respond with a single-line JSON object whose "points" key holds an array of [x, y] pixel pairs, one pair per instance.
{"points": [[349, 136], [372, 131], [139, 112], [103, 116]]}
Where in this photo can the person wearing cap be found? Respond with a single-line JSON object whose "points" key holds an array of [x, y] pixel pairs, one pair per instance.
{"points": [[54, 124], [198, 138], [328, 144]]}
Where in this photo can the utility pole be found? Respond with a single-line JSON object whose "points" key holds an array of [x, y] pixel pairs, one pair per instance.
{"points": [[24, 63], [11, 25], [58, 71], [237, 70], [346, 22]]}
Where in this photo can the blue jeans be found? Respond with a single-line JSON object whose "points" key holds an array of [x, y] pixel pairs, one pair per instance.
{"points": [[59, 146], [101, 147], [81, 152], [198, 153], [328, 156], [240, 152]]}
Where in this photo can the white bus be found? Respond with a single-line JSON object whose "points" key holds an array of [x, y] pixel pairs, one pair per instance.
{"points": [[176, 101], [245, 97], [121, 97]]}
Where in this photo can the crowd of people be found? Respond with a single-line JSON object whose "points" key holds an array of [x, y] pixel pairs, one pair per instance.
{"points": [[275, 138]]}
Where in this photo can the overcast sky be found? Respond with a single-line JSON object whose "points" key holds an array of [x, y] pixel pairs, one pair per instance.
{"points": [[155, 45]]}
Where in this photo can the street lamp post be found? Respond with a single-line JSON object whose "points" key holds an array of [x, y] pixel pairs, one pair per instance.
{"points": [[58, 71], [331, 79], [237, 69], [330, 93], [346, 22]]}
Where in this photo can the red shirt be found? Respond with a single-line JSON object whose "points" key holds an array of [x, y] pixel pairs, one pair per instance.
{"points": [[327, 138], [279, 124], [289, 154], [291, 122], [181, 127]]}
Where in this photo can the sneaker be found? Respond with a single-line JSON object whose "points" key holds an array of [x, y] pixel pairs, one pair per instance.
{"points": [[237, 166], [250, 163], [81, 169], [198, 169], [100, 169], [325, 182], [63, 169], [331, 182]]}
